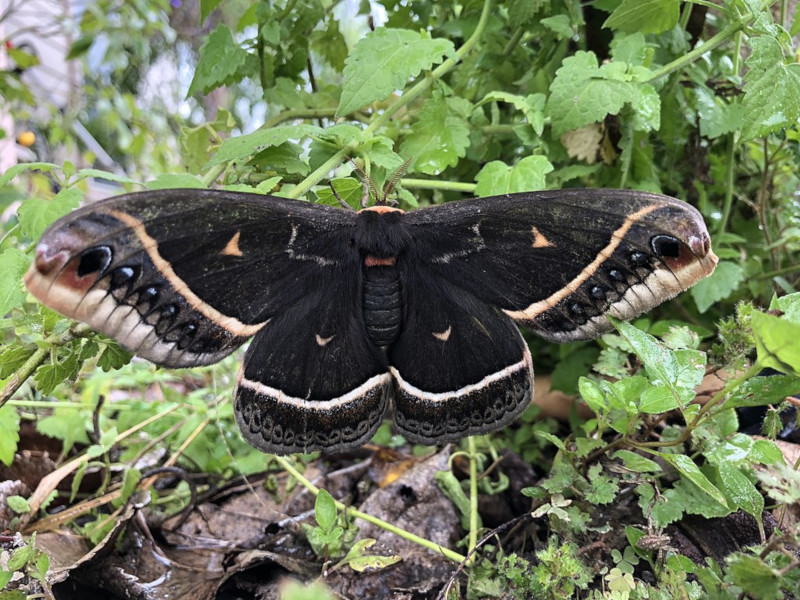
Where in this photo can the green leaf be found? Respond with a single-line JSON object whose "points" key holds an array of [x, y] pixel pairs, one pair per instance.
{"points": [[130, 480], [105, 175], [661, 363], [37, 213], [440, 136], [384, 61], [559, 24], [325, 510], [15, 170], [789, 305], [496, 178], [719, 285], [658, 399], [593, 395], [66, 424], [13, 264], [583, 92], [758, 391], [166, 181], [349, 189], [570, 369], [330, 45], [294, 590], [247, 145], [766, 452], [18, 504], [603, 489], [636, 462], [13, 357], [207, 7], [113, 356], [771, 91], [755, 576], [220, 59], [645, 16], [532, 106], [776, 343], [9, 433], [741, 492], [688, 469]]}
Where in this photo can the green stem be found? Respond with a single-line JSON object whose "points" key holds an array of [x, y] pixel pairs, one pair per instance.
{"points": [[304, 113], [212, 174], [473, 497], [707, 46], [454, 556], [730, 167], [38, 357], [421, 87], [431, 184], [319, 173], [426, 83]]}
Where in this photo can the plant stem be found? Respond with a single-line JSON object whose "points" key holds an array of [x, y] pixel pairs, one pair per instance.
{"points": [[320, 173], [426, 83], [707, 46], [212, 174], [78, 330], [473, 497], [454, 556], [432, 184]]}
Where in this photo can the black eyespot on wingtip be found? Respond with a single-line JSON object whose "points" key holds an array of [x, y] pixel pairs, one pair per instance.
{"points": [[94, 260], [666, 246]]}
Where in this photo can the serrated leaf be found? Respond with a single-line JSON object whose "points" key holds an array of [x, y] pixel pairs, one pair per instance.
{"points": [[349, 189], [532, 106], [636, 462], [759, 391], [776, 343], [440, 136], [13, 264], [105, 175], [15, 170], [325, 510], [496, 178], [661, 363], [658, 399], [220, 58], [9, 433], [329, 43], [789, 305], [384, 61], [719, 285], [207, 7], [559, 24], [113, 357], [67, 425], [247, 145], [741, 492], [755, 576], [37, 213], [688, 469], [166, 181], [583, 93], [18, 504], [771, 91], [766, 452], [13, 357], [603, 489], [645, 16]]}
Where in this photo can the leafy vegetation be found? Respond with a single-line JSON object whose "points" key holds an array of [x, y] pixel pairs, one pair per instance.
{"points": [[698, 100]]}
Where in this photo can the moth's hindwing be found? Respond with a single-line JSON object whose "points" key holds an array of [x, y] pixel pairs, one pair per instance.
{"points": [[183, 277], [560, 261], [311, 379], [460, 366]]}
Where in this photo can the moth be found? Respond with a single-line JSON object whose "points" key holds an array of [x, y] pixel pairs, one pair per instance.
{"points": [[354, 314]]}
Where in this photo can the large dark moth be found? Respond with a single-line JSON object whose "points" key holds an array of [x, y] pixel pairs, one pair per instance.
{"points": [[354, 312]]}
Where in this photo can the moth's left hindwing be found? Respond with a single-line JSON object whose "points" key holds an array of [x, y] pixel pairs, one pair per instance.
{"points": [[184, 277]]}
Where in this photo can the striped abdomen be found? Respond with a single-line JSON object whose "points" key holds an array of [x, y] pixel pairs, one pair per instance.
{"points": [[381, 303]]}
